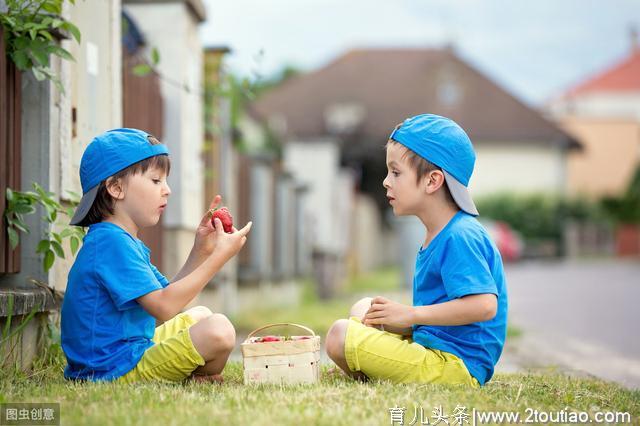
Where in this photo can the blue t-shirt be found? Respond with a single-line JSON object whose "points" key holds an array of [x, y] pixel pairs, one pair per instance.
{"points": [[462, 260], [104, 329]]}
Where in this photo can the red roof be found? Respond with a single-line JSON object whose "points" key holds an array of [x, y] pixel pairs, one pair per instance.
{"points": [[622, 77]]}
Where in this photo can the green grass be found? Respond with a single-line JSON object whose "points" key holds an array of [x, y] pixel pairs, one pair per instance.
{"points": [[336, 400], [381, 280]]}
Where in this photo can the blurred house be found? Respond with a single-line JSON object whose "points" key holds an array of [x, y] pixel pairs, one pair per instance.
{"points": [[604, 112], [336, 120]]}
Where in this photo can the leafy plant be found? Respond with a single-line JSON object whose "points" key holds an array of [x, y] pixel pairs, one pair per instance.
{"points": [[32, 30], [625, 208], [20, 204], [145, 68], [538, 216]]}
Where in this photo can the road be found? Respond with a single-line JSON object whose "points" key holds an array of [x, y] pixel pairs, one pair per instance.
{"points": [[580, 315]]}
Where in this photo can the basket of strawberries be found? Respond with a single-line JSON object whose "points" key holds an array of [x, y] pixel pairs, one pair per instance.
{"points": [[283, 359]]}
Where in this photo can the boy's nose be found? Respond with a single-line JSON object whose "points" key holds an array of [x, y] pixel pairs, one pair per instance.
{"points": [[167, 189], [385, 182]]}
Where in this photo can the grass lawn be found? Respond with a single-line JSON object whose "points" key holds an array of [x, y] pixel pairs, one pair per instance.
{"points": [[336, 400]]}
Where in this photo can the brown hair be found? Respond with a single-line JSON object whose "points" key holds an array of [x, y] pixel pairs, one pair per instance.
{"points": [[421, 166], [104, 203]]}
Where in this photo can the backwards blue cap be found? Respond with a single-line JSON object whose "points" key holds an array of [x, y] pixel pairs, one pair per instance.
{"points": [[444, 143], [106, 155]]}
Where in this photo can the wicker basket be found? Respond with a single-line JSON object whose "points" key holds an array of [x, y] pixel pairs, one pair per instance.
{"points": [[285, 362]]}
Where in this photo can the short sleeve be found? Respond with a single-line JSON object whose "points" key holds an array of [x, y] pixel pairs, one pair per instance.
{"points": [[125, 271], [465, 269], [161, 278]]}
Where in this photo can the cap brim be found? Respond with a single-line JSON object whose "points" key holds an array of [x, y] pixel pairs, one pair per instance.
{"points": [[460, 194], [85, 205]]}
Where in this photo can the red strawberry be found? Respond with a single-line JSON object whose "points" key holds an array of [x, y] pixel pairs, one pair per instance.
{"points": [[225, 217], [270, 339]]}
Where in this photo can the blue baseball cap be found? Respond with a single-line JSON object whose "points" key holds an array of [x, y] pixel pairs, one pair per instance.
{"points": [[106, 155], [444, 143]]}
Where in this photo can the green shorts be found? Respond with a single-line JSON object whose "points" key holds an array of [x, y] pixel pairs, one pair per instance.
{"points": [[383, 355]]}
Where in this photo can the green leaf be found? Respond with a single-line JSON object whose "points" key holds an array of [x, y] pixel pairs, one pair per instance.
{"points": [[46, 34], [9, 194], [141, 70], [19, 224], [43, 246], [48, 260], [66, 232], [21, 43], [74, 242], [58, 249], [75, 32], [21, 60], [53, 7], [56, 237], [38, 73], [63, 53], [13, 238], [155, 56], [24, 208], [74, 195]]}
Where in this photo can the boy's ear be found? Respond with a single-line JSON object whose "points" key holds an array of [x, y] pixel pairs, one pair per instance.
{"points": [[433, 181], [115, 188]]}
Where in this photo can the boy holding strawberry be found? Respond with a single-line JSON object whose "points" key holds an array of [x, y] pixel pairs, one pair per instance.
{"points": [[115, 295], [455, 329]]}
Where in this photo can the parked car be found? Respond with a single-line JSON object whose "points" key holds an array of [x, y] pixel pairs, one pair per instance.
{"points": [[509, 241]]}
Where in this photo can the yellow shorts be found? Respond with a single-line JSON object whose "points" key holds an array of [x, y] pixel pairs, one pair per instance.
{"points": [[383, 355], [172, 357]]}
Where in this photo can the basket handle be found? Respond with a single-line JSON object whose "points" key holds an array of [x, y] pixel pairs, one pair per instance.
{"points": [[280, 324]]}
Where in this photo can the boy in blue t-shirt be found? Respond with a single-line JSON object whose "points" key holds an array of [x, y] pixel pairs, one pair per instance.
{"points": [[115, 295], [455, 330]]}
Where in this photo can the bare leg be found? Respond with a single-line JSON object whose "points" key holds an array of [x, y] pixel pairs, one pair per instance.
{"points": [[335, 348], [214, 338]]}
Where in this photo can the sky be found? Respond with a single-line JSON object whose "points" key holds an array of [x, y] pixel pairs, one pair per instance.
{"points": [[534, 49]]}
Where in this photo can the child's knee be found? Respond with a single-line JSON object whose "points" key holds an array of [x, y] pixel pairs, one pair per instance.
{"points": [[335, 339], [360, 308], [199, 313], [221, 333]]}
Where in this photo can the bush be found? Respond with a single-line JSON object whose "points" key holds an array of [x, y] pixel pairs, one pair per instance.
{"points": [[625, 208], [538, 216]]}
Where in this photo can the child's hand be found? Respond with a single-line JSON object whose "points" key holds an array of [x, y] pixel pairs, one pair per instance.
{"points": [[228, 245], [205, 242], [389, 313]]}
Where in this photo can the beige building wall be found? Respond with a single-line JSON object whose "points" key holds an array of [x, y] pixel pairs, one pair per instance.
{"points": [[172, 27], [91, 103], [611, 153], [518, 167]]}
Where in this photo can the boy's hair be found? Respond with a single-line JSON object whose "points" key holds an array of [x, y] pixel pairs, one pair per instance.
{"points": [[104, 203], [422, 167]]}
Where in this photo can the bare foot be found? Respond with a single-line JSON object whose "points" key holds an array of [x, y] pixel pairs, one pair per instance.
{"points": [[206, 378]]}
